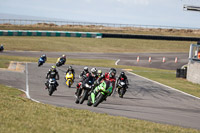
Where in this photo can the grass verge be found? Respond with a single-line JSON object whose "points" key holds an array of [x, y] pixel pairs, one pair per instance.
{"points": [[107, 45], [18, 114]]}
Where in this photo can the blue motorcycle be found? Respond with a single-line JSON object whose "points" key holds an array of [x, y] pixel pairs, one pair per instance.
{"points": [[41, 61], [1, 48]]}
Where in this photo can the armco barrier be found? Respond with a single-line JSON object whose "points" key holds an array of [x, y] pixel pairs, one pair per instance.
{"points": [[49, 33], [151, 37]]}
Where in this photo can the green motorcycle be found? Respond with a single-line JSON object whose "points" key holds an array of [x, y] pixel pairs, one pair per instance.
{"points": [[100, 93]]}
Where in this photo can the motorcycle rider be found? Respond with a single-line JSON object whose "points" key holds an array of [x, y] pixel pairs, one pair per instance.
{"points": [[84, 72], [70, 69], [52, 73], [109, 77], [1, 47], [99, 73], [123, 77], [63, 57], [94, 73], [83, 76], [91, 76], [44, 57]]}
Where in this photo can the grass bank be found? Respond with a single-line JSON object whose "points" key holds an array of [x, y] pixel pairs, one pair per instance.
{"points": [[108, 45], [20, 115], [168, 77]]}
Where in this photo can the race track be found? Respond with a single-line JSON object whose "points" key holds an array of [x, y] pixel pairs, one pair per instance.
{"points": [[144, 99], [125, 58]]}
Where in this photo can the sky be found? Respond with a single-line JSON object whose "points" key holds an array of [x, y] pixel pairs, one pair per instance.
{"points": [[141, 12]]}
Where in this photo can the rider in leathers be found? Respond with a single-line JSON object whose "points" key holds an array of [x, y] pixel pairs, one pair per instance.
{"points": [[123, 77], [109, 77], [83, 76], [52, 73], [70, 69], [44, 57]]}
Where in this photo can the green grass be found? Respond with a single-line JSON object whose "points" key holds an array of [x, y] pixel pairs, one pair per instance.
{"points": [[20, 115], [108, 45], [168, 77]]}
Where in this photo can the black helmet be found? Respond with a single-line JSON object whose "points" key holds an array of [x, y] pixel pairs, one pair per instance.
{"points": [[112, 72], [122, 73], [70, 68]]}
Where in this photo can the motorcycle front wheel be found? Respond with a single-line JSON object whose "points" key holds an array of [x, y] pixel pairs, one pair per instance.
{"points": [[99, 99], [51, 90]]}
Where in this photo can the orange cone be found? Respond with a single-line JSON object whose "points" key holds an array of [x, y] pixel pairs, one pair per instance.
{"points": [[176, 60], [163, 60], [138, 59], [149, 59]]}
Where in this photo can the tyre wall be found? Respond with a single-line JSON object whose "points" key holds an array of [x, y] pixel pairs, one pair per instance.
{"points": [[49, 33]]}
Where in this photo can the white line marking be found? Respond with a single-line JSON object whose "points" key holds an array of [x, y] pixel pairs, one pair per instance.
{"points": [[164, 85], [117, 62], [27, 86]]}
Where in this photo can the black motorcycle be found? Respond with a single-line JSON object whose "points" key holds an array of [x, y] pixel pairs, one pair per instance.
{"points": [[60, 62], [51, 86], [1, 49], [83, 92], [121, 88]]}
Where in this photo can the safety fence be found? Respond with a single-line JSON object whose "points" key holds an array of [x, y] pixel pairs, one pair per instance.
{"points": [[49, 33], [53, 23]]}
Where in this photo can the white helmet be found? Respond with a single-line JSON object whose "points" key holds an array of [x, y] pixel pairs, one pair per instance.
{"points": [[94, 70]]}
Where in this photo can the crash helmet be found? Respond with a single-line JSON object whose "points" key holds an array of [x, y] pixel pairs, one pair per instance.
{"points": [[44, 55], [1, 45], [122, 74], [112, 72], [53, 68], [64, 56], [99, 73], [70, 68], [85, 69], [94, 71]]}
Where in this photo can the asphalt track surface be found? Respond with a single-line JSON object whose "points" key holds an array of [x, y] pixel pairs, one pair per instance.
{"points": [[144, 99], [125, 58]]}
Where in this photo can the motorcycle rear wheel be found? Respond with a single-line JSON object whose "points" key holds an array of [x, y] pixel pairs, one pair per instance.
{"points": [[85, 94]]}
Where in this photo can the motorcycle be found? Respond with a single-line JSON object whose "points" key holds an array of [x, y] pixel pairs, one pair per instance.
{"points": [[69, 79], [41, 62], [52, 86], [1, 49], [60, 62], [100, 94], [83, 92], [121, 88]]}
